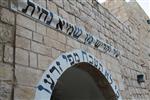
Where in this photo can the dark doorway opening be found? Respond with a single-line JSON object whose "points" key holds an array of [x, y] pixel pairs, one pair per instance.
{"points": [[82, 82]]}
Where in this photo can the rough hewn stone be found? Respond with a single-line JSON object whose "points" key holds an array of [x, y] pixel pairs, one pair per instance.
{"points": [[6, 72], [39, 48], [55, 53], [24, 93], [37, 37], [40, 29], [33, 59], [27, 76], [5, 91], [24, 32], [6, 33], [8, 54], [25, 22], [43, 62], [4, 3], [23, 43], [22, 57], [7, 16]]}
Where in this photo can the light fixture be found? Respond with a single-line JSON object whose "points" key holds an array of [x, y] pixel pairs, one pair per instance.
{"points": [[148, 21], [140, 78]]}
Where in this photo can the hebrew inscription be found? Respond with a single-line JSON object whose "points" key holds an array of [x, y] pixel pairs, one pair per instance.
{"points": [[47, 17], [57, 68]]}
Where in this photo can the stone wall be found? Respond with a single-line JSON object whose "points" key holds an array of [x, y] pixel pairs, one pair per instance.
{"points": [[133, 17], [7, 32], [27, 47]]}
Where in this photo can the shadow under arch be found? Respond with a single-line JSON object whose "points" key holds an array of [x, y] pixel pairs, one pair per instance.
{"points": [[82, 82], [46, 86]]}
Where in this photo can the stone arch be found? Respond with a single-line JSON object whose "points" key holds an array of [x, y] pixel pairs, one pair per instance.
{"points": [[50, 77]]}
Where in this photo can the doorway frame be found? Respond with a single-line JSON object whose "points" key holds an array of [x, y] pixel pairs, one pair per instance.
{"points": [[49, 79]]}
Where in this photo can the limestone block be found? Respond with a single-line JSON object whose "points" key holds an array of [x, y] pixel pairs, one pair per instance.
{"points": [[44, 61], [74, 10], [52, 33], [63, 14], [80, 23], [73, 2], [39, 48], [58, 2], [8, 54], [24, 93], [6, 72], [61, 38], [37, 37], [87, 10], [55, 53], [33, 59], [4, 3], [25, 22], [27, 76], [1, 52], [52, 7], [72, 19], [73, 43], [22, 43], [79, 5], [69, 48], [7, 16], [41, 2], [66, 5], [24, 32], [40, 29], [5, 91], [83, 16], [6, 33], [22, 57], [54, 43]]}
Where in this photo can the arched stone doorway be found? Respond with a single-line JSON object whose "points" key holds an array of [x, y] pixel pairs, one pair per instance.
{"points": [[97, 79], [82, 82]]}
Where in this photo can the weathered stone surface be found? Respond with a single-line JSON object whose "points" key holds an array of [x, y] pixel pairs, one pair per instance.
{"points": [[52, 33], [39, 48], [54, 43], [6, 33], [58, 2], [33, 59], [7, 16], [4, 3], [22, 57], [41, 2], [55, 53], [74, 10], [40, 29], [5, 91], [73, 43], [43, 62], [24, 32], [22, 43], [24, 93], [1, 52], [27, 76], [37, 37], [66, 5], [63, 14], [25, 22], [52, 7], [6, 72], [62, 38], [8, 54]]}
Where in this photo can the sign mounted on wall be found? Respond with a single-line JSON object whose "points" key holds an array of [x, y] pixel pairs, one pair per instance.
{"points": [[33, 10], [61, 64]]}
